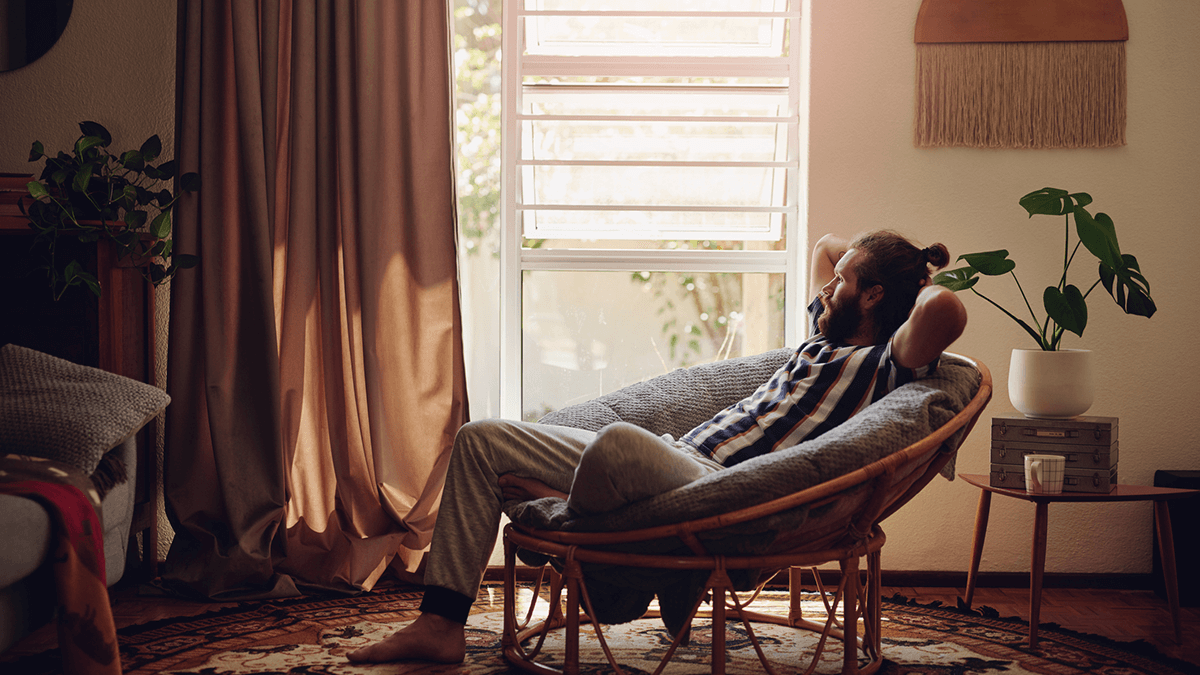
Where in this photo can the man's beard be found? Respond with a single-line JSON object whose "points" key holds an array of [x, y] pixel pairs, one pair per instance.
{"points": [[840, 321]]}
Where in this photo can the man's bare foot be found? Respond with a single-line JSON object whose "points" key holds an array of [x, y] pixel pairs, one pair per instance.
{"points": [[525, 489], [429, 638]]}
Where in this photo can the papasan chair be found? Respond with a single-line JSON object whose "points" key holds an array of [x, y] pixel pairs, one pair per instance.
{"points": [[721, 538]]}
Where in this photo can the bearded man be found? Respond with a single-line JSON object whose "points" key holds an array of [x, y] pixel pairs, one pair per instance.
{"points": [[876, 323]]}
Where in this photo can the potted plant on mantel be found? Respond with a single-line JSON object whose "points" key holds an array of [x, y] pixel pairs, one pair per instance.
{"points": [[92, 194], [1051, 381]]}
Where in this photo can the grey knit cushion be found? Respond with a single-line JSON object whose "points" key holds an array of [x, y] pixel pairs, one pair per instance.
{"points": [[52, 408]]}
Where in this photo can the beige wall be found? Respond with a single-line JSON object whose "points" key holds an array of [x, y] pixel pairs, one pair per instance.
{"points": [[115, 64], [866, 173]]}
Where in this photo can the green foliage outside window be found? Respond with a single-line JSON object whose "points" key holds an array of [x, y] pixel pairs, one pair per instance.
{"points": [[477, 73]]}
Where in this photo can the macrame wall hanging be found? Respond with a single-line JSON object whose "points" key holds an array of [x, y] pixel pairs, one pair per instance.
{"points": [[1021, 73]]}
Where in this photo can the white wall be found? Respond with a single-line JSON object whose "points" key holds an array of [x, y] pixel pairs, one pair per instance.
{"points": [[866, 173], [114, 64]]}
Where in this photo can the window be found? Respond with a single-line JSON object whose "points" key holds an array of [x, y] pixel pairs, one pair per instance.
{"points": [[652, 181]]}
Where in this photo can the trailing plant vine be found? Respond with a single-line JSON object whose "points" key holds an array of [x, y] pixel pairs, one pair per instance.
{"points": [[92, 194]]}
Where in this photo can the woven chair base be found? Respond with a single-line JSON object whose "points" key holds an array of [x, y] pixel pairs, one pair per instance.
{"points": [[857, 596]]}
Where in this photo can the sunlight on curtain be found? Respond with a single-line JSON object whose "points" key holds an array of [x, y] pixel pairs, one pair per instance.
{"points": [[316, 359]]}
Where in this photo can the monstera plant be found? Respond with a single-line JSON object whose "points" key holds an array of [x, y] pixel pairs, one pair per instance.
{"points": [[92, 194], [1064, 303]]}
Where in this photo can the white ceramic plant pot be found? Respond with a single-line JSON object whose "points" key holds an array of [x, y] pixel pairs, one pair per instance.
{"points": [[1051, 384]]}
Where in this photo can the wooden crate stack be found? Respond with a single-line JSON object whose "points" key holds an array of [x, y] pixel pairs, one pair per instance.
{"points": [[1088, 443]]}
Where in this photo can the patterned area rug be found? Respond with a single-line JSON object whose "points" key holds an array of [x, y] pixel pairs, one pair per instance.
{"points": [[307, 635]]}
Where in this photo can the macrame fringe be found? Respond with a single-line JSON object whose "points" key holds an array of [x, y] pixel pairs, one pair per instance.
{"points": [[1021, 95]]}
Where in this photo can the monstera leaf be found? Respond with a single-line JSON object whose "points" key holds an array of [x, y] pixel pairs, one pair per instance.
{"points": [[990, 263], [1128, 287], [1066, 308], [1065, 304], [1099, 236], [957, 279], [1053, 202]]}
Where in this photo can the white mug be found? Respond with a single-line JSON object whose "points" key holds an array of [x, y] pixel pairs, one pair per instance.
{"points": [[1044, 474]]}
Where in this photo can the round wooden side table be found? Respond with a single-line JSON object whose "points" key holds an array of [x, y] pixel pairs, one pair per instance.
{"points": [[1119, 493]]}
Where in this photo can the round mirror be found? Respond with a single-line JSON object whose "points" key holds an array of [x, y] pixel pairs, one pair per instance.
{"points": [[29, 28]]}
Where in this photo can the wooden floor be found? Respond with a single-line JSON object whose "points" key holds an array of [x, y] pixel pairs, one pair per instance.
{"points": [[1117, 614]]}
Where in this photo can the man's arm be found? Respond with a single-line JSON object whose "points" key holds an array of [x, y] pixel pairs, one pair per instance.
{"points": [[825, 254], [936, 320]]}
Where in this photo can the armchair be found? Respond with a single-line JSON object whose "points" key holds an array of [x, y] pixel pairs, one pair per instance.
{"points": [[820, 501]]}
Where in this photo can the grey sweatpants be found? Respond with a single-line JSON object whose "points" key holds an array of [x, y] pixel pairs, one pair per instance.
{"points": [[601, 471]]}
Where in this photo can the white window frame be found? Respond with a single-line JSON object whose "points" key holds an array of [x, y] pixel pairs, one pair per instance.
{"points": [[515, 260]]}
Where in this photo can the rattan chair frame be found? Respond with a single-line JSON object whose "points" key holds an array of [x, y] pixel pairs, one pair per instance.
{"points": [[844, 533]]}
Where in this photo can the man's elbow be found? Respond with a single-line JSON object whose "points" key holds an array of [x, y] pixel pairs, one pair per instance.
{"points": [[938, 319], [948, 315]]}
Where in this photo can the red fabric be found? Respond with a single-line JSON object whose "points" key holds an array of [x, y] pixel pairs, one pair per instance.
{"points": [[86, 633]]}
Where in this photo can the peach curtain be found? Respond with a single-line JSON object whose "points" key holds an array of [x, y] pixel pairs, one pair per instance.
{"points": [[315, 356]]}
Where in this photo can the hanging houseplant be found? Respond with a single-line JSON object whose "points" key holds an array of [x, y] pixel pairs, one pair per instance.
{"points": [[92, 194]]}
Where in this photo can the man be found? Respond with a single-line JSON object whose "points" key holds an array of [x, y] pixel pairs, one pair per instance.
{"points": [[877, 323]]}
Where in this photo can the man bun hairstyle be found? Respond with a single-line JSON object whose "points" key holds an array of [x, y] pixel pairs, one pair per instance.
{"points": [[937, 255], [889, 260]]}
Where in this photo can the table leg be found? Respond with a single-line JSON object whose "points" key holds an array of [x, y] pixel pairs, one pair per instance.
{"points": [[1166, 550], [1037, 567], [981, 523]]}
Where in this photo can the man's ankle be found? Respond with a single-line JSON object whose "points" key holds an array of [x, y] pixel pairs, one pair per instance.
{"points": [[446, 603]]}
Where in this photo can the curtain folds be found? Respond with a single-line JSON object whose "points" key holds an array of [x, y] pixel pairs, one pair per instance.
{"points": [[315, 356]]}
